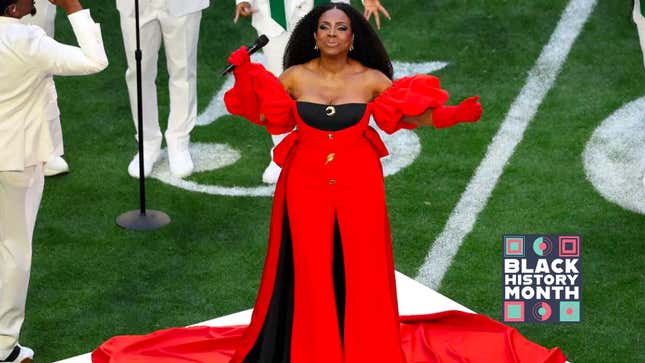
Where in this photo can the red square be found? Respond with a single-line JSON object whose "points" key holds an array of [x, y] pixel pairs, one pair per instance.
{"points": [[519, 243], [569, 246]]}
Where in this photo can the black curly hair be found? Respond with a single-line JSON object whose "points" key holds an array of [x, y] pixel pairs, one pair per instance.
{"points": [[368, 48], [4, 4]]}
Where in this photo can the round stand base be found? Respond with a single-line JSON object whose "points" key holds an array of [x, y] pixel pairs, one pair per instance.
{"points": [[136, 221]]}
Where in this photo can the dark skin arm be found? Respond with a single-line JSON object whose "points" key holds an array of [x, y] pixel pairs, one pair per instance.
{"points": [[70, 6]]}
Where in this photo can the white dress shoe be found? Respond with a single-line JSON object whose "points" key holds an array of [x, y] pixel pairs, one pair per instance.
{"points": [[55, 165], [271, 173], [20, 355], [180, 162], [149, 160]]}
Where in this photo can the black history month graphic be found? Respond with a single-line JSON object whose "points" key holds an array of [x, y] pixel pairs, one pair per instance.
{"points": [[542, 278]]}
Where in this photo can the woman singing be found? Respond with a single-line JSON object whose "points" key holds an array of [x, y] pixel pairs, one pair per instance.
{"points": [[328, 291], [330, 240]]}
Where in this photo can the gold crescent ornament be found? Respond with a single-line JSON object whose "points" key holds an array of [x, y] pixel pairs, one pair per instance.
{"points": [[330, 110]]}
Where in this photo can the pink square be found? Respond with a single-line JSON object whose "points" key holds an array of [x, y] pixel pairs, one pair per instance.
{"points": [[569, 246], [514, 246]]}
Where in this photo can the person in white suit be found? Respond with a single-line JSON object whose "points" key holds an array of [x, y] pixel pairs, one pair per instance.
{"points": [[638, 15], [277, 24], [176, 22], [28, 59], [45, 18]]}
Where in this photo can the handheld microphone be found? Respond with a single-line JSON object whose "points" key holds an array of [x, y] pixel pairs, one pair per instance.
{"points": [[260, 42]]}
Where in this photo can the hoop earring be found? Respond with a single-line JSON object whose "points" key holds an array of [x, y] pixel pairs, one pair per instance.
{"points": [[351, 47], [316, 46]]}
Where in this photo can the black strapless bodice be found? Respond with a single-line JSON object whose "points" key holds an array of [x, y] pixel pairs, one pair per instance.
{"points": [[339, 117]]}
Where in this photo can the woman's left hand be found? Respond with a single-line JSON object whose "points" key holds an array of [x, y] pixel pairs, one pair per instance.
{"points": [[373, 7]]}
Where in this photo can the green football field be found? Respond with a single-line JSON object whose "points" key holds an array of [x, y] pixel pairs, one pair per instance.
{"points": [[92, 280]]}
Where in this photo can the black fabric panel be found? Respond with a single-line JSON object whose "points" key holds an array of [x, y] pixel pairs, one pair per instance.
{"points": [[346, 115], [274, 342], [339, 281]]}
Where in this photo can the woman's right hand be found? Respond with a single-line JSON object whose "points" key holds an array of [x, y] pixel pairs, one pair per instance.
{"points": [[239, 57]]}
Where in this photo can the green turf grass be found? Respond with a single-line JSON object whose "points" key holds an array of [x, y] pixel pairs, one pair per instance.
{"points": [[92, 280]]}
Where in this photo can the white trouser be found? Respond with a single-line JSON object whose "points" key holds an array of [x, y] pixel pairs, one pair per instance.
{"points": [[20, 194], [180, 36], [274, 53], [639, 19], [46, 18]]}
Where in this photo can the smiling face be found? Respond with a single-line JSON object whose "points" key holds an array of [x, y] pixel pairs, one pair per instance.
{"points": [[334, 32]]}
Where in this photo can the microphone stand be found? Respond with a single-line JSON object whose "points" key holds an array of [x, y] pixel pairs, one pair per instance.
{"points": [[142, 219]]}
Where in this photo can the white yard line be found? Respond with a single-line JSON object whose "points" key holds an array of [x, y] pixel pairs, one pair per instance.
{"points": [[540, 80]]}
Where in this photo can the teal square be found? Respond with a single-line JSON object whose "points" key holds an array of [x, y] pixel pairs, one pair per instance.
{"points": [[514, 312], [513, 246], [570, 311]]}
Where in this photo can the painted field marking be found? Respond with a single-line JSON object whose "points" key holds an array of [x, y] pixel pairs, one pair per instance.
{"points": [[614, 157], [540, 80]]}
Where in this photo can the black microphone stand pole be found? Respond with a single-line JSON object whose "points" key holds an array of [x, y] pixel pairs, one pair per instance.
{"points": [[142, 219]]}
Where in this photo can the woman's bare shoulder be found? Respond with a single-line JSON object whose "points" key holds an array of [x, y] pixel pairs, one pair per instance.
{"points": [[290, 72], [289, 78], [378, 81]]}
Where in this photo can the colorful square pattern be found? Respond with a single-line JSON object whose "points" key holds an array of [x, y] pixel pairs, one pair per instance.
{"points": [[514, 311], [514, 246], [570, 311], [569, 246]]}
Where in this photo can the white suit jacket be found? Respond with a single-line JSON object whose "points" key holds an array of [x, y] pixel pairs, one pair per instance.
{"points": [[294, 9], [28, 58], [175, 7], [45, 18]]}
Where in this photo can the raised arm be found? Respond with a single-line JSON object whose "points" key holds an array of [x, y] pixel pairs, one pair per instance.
{"points": [[60, 59], [258, 95]]}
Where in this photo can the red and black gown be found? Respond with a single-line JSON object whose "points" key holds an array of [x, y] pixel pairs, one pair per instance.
{"points": [[328, 291]]}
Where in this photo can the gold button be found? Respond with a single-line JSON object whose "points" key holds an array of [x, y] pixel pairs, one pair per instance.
{"points": [[332, 181], [330, 136], [330, 158]]}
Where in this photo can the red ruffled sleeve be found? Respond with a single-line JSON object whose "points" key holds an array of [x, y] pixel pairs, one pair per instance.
{"points": [[258, 92], [408, 96]]}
